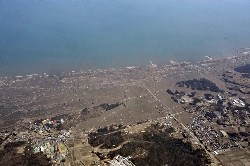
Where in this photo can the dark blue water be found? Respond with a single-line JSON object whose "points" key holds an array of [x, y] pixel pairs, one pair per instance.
{"points": [[55, 36]]}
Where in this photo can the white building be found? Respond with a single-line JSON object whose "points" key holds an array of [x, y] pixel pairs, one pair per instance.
{"points": [[121, 161]]}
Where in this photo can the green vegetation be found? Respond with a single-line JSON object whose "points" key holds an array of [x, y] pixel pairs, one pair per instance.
{"points": [[109, 106], [154, 147], [200, 84], [243, 69], [10, 157], [109, 136], [109, 141]]}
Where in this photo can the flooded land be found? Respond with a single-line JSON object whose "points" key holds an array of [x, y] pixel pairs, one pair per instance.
{"points": [[178, 114]]}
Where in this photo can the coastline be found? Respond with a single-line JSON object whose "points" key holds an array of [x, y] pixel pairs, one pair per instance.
{"points": [[240, 51]]}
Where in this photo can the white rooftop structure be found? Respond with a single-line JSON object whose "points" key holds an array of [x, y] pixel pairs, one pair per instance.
{"points": [[121, 161]]}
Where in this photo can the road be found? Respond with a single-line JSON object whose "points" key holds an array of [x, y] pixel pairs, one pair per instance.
{"points": [[215, 159]]}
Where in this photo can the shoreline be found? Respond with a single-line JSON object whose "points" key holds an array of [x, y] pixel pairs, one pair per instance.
{"points": [[246, 52]]}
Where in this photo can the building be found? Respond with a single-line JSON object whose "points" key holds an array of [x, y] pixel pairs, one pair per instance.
{"points": [[121, 161], [224, 134]]}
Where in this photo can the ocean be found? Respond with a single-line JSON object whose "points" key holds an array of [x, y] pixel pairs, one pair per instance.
{"points": [[55, 36]]}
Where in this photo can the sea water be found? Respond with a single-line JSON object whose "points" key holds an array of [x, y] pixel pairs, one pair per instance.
{"points": [[59, 36]]}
